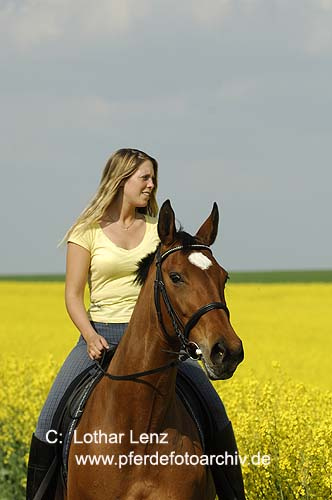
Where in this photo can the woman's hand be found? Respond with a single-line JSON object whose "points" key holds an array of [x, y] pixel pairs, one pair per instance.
{"points": [[95, 346]]}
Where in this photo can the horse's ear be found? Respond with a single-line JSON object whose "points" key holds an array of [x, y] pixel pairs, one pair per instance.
{"points": [[166, 223], [207, 233]]}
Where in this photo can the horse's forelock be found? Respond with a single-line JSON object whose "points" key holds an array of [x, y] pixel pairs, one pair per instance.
{"points": [[185, 240]]}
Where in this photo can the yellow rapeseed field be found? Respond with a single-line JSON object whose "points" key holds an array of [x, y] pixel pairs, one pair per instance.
{"points": [[279, 400]]}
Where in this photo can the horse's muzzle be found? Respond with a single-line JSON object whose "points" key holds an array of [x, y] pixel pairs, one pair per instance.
{"points": [[223, 361]]}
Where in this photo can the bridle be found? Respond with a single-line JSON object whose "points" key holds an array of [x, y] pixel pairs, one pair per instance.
{"points": [[188, 348], [182, 331]]}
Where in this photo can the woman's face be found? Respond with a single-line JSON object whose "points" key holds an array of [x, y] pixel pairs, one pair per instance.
{"points": [[138, 187]]}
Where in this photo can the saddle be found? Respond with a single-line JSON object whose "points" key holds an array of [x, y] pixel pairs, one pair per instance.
{"points": [[73, 402]]}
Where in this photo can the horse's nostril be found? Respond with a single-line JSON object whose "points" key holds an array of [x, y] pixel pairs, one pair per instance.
{"points": [[218, 353]]}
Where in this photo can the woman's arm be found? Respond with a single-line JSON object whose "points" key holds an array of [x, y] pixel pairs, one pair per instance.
{"points": [[77, 268]]}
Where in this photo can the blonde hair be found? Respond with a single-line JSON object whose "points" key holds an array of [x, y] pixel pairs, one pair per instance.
{"points": [[120, 166]]}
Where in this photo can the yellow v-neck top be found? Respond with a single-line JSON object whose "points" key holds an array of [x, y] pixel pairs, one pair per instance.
{"points": [[113, 294]]}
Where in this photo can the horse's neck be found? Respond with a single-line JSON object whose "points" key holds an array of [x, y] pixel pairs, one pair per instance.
{"points": [[141, 349]]}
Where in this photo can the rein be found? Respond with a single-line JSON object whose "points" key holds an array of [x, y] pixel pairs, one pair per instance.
{"points": [[132, 376], [189, 349]]}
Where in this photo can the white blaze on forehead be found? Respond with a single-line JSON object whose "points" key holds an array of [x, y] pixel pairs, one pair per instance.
{"points": [[200, 260]]}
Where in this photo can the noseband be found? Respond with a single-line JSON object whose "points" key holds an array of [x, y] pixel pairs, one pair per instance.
{"points": [[182, 331]]}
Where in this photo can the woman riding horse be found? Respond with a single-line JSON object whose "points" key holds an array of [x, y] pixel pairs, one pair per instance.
{"points": [[116, 230]]}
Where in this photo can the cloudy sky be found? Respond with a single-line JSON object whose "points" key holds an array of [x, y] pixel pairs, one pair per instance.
{"points": [[233, 97]]}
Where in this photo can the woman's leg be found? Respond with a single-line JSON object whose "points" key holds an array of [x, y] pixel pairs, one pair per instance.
{"points": [[192, 371], [227, 478], [43, 454], [76, 362]]}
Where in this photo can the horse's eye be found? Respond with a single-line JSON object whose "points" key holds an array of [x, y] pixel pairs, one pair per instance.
{"points": [[175, 277]]}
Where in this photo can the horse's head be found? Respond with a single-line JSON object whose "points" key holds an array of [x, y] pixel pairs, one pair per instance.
{"points": [[193, 279]]}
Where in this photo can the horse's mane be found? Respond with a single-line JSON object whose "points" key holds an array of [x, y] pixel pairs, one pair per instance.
{"points": [[181, 237]]}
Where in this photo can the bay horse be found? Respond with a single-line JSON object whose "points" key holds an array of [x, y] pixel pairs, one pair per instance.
{"points": [[134, 416]]}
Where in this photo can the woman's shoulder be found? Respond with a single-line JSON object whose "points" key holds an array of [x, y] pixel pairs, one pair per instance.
{"points": [[84, 234], [152, 231], [83, 229]]}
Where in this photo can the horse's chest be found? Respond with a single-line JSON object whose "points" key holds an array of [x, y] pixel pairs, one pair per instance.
{"points": [[169, 480], [182, 486]]}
